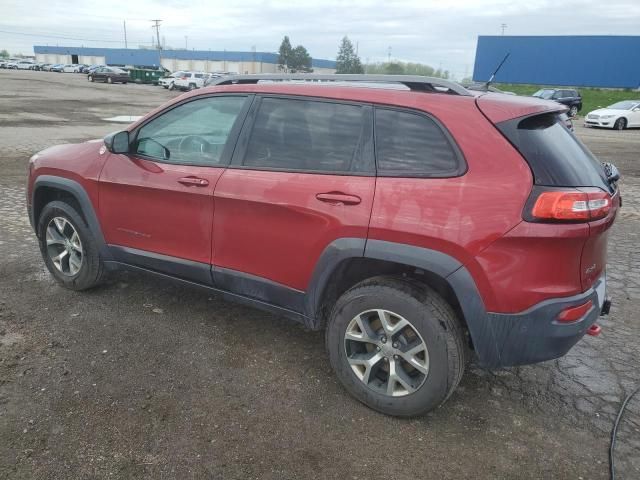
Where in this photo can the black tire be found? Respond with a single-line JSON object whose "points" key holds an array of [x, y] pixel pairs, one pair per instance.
{"points": [[171, 86], [192, 86], [124, 83], [573, 111], [92, 271], [90, 77], [109, 80], [430, 315], [620, 124]]}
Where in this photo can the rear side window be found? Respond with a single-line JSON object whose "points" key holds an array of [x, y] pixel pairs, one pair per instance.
{"points": [[306, 135], [555, 155], [414, 145]]}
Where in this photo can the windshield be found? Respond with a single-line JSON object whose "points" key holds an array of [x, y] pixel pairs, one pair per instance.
{"points": [[625, 105], [544, 93]]}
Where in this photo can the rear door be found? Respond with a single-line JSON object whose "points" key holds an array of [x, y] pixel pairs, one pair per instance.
{"points": [[156, 203], [302, 176]]}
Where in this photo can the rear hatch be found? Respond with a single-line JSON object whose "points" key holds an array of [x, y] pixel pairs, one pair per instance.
{"points": [[565, 173]]}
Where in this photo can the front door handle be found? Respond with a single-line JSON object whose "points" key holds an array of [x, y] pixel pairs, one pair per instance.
{"points": [[338, 198], [194, 181]]}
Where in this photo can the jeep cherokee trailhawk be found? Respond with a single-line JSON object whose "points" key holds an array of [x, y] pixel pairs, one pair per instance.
{"points": [[417, 223]]}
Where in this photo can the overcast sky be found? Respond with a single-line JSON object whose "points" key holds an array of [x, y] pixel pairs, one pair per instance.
{"points": [[438, 33]]}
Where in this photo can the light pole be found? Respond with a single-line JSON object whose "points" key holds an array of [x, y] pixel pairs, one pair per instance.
{"points": [[503, 26]]}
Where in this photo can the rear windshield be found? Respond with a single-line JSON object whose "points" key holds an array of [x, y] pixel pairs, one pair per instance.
{"points": [[556, 156]]}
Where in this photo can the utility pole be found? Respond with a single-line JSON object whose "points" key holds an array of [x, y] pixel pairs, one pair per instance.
{"points": [[156, 25], [503, 26], [124, 23]]}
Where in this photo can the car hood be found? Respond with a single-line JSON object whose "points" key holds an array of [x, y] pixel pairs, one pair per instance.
{"points": [[607, 111]]}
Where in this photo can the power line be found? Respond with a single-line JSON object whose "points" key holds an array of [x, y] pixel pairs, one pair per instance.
{"points": [[60, 37]]}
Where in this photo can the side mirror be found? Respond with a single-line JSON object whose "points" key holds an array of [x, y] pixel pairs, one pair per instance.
{"points": [[117, 142], [637, 109]]}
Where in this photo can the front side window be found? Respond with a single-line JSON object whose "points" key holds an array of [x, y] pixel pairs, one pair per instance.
{"points": [[306, 135], [411, 144], [194, 133]]}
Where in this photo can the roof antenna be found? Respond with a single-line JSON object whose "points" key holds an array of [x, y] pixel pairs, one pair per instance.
{"points": [[493, 75]]}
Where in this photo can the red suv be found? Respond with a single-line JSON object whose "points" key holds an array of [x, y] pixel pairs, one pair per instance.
{"points": [[416, 225]]}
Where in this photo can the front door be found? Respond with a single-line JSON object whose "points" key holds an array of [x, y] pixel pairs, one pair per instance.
{"points": [[303, 176], [156, 203]]}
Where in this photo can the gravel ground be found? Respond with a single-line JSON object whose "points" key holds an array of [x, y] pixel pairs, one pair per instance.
{"points": [[143, 378]]}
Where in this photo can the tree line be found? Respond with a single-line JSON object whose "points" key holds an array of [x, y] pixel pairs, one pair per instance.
{"points": [[298, 60]]}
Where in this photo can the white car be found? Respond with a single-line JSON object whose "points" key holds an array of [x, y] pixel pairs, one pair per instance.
{"points": [[70, 68], [619, 116], [24, 65], [190, 80], [167, 82]]}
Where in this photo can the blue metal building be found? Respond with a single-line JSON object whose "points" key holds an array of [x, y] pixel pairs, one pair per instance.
{"points": [[131, 56], [581, 61]]}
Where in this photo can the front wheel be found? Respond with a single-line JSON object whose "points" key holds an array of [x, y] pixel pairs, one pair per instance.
{"points": [[68, 247], [573, 111], [109, 80], [90, 78], [396, 345], [620, 124]]}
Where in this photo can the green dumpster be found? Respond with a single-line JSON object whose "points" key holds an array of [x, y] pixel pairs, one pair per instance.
{"points": [[145, 75]]}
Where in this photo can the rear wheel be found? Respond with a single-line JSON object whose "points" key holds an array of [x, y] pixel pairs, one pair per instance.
{"points": [[68, 247], [396, 345], [192, 86], [620, 124]]}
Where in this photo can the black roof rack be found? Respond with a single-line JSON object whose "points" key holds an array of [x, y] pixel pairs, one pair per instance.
{"points": [[413, 82]]}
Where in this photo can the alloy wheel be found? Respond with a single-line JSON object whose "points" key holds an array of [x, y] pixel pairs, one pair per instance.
{"points": [[386, 353], [64, 246]]}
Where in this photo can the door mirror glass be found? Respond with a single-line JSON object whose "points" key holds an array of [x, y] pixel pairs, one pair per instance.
{"points": [[117, 142]]}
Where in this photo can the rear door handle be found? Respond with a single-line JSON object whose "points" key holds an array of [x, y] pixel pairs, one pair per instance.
{"points": [[194, 181], [338, 198]]}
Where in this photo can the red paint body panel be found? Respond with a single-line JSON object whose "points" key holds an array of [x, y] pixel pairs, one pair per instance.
{"points": [[272, 225], [594, 254], [499, 107], [458, 216], [143, 206], [79, 162]]}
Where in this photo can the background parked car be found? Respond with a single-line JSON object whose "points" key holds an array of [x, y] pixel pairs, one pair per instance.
{"points": [[57, 67], [569, 97], [617, 116], [3, 64], [167, 82], [24, 65], [108, 75], [190, 80]]}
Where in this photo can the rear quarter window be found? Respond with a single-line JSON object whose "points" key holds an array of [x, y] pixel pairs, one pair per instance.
{"points": [[556, 156], [414, 145]]}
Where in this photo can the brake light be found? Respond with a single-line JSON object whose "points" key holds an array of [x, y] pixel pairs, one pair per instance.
{"points": [[570, 205], [572, 314]]}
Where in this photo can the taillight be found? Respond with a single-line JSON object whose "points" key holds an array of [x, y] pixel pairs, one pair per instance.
{"points": [[567, 205]]}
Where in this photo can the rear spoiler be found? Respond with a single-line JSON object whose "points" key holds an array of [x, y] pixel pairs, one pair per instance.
{"points": [[498, 107]]}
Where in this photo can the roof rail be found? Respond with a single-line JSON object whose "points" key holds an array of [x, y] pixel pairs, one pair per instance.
{"points": [[413, 82]]}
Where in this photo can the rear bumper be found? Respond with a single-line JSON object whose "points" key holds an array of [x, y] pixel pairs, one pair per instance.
{"points": [[535, 335]]}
